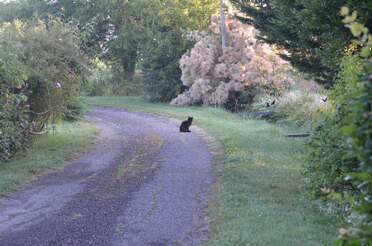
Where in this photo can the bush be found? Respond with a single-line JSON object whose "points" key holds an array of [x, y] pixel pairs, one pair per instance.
{"points": [[99, 82], [41, 67], [299, 107], [329, 157], [302, 101], [75, 109], [133, 87], [14, 121], [14, 126], [340, 160], [358, 130], [50, 50], [96, 89]]}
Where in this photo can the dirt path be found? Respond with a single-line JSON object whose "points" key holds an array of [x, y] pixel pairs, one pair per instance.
{"points": [[143, 184]]}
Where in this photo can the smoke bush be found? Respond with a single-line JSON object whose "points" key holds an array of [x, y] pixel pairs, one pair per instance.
{"points": [[212, 73]]}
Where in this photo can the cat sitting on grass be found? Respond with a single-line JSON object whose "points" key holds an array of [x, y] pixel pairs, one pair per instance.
{"points": [[185, 125]]}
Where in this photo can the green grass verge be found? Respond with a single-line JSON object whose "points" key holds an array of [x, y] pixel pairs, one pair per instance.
{"points": [[259, 199], [48, 152]]}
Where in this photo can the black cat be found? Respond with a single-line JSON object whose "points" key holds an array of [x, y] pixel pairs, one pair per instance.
{"points": [[185, 125]]}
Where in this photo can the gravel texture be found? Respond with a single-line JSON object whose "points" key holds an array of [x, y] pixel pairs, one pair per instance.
{"points": [[144, 183]]}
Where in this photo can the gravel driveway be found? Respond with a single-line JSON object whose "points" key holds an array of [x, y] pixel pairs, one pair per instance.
{"points": [[144, 183]]}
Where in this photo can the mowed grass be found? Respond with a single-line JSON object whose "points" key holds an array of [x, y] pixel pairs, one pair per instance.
{"points": [[259, 199], [49, 152]]}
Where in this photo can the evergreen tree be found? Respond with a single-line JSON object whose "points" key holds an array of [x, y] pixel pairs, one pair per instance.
{"points": [[312, 32]]}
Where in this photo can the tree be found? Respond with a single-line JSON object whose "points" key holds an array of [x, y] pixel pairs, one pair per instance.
{"points": [[131, 23], [130, 34], [215, 75], [161, 55], [310, 31]]}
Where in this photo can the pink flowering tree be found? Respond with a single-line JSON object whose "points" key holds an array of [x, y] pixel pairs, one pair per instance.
{"points": [[212, 73]]}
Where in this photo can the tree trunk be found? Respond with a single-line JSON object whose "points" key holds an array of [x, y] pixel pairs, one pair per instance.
{"points": [[223, 25], [129, 65]]}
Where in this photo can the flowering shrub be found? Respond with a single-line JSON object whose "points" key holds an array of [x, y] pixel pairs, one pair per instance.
{"points": [[212, 73]]}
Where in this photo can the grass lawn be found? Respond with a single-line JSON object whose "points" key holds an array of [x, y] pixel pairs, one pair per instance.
{"points": [[260, 198], [48, 153]]}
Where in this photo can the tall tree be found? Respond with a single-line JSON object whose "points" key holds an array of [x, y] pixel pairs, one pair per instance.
{"points": [[162, 53], [312, 32], [131, 33]]}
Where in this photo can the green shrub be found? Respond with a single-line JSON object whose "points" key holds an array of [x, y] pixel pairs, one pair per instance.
{"points": [[358, 130], [41, 67], [14, 121], [340, 159], [99, 82], [133, 87], [330, 158], [75, 109], [56, 65], [14, 125], [97, 89]]}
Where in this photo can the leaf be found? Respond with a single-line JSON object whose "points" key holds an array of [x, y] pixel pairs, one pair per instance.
{"points": [[369, 39], [344, 11], [366, 52], [356, 29], [349, 129], [351, 18]]}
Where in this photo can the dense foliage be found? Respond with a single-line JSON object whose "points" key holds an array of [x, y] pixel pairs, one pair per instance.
{"points": [[358, 129], [41, 69], [161, 55], [330, 159], [129, 36], [161, 66], [13, 108], [44, 45], [311, 31], [339, 165]]}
